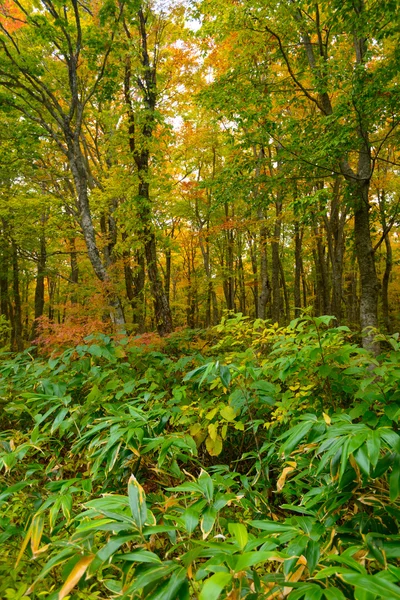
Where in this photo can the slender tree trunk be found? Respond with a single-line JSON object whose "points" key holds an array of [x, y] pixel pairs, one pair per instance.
{"points": [[39, 289], [74, 277], [297, 270], [385, 284], [4, 262], [388, 264], [285, 292], [276, 308], [265, 287], [16, 334]]}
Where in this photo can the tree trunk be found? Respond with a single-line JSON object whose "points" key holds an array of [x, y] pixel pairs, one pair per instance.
{"points": [[385, 284], [276, 308], [39, 289], [265, 286], [16, 334], [366, 264], [74, 277], [4, 262], [297, 270], [79, 173]]}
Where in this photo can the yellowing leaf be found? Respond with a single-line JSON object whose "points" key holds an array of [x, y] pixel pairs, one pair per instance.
{"points": [[224, 431], [75, 575], [211, 414], [327, 418], [213, 431], [195, 429], [239, 425], [228, 413], [214, 447]]}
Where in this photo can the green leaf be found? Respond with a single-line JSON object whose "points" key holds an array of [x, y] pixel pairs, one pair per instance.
{"points": [[361, 456], [394, 480], [137, 502], [271, 526], [206, 485], [191, 518], [239, 531], [207, 521], [225, 375], [373, 447], [153, 574], [249, 559], [334, 594], [172, 589], [141, 556], [312, 555], [297, 433], [371, 583], [213, 586]]}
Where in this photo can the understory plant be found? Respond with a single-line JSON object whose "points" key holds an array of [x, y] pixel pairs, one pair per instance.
{"points": [[266, 465]]}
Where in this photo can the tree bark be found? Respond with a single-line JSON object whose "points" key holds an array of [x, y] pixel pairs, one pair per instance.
{"points": [[39, 289], [297, 270], [16, 333]]}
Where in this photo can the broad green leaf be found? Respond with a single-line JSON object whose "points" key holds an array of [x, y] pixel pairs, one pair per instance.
{"points": [[191, 518], [140, 556], [213, 586], [239, 531], [206, 484], [371, 583], [207, 521]]}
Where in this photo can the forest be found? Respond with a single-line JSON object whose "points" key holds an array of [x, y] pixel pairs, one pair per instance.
{"points": [[199, 299]]}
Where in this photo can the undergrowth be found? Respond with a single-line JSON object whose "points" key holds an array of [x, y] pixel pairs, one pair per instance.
{"points": [[250, 462]]}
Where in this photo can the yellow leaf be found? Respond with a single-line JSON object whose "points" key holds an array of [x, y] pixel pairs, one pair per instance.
{"points": [[211, 414], [224, 431], [327, 418], [213, 431], [195, 429], [24, 545], [228, 413], [214, 447], [75, 575], [239, 425]]}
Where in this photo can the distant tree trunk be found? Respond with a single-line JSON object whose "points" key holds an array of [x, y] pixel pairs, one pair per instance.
{"points": [[141, 154], [276, 308], [265, 287], [168, 263], [335, 225], [321, 266], [297, 270], [229, 278], [39, 289], [254, 266], [134, 284], [388, 264], [4, 262], [16, 333], [74, 277], [241, 286]]}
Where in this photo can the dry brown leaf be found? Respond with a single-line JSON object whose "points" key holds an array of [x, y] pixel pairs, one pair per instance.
{"points": [[281, 481]]}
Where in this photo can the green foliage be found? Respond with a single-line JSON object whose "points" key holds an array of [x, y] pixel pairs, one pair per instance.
{"points": [[111, 485]]}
